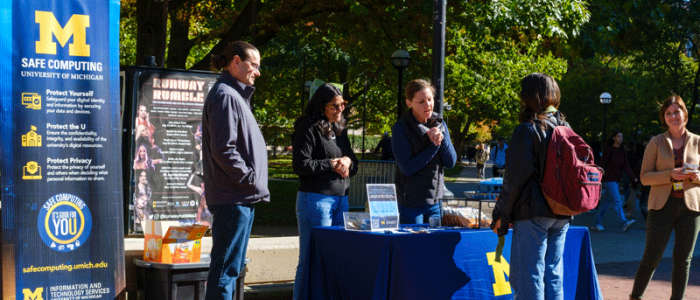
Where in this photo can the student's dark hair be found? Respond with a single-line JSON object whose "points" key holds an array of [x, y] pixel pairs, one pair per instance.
{"points": [[317, 105], [610, 141], [417, 85], [670, 100], [537, 92], [239, 48]]}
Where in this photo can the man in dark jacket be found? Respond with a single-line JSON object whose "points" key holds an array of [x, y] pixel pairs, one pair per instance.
{"points": [[234, 159]]}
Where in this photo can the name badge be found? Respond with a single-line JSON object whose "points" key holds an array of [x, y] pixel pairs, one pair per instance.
{"points": [[678, 186]]}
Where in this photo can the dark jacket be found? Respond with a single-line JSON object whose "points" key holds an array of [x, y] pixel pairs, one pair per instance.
{"points": [[234, 154], [614, 161], [521, 197], [420, 178], [385, 146], [311, 159]]}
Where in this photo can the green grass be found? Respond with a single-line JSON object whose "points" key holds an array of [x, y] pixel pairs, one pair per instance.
{"points": [[453, 173], [280, 167]]}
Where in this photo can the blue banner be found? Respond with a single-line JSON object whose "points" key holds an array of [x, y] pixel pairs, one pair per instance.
{"points": [[62, 222]]}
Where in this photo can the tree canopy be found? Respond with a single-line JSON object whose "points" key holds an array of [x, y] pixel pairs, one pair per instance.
{"points": [[636, 50]]}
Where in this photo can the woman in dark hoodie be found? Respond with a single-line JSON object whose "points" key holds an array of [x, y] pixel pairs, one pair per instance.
{"points": [[323, 159]]}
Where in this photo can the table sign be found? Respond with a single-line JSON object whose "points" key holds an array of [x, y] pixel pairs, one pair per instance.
{"points": [[356, 220], [383, 210]]}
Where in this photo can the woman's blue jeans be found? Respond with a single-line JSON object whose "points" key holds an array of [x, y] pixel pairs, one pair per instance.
{"points": [[315, 210], [536, 261], [611, 196], [417, 215]]}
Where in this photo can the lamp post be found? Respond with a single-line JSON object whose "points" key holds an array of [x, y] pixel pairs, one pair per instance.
{"points": [[447, 194], [605, 98], [400, 60]]}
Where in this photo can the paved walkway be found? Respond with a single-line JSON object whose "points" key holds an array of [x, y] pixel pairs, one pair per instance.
{"points": [[617, 255]]}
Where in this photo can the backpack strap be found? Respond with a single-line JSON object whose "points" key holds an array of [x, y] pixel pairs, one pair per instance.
{"points": [[541, 151], [539, 171]]}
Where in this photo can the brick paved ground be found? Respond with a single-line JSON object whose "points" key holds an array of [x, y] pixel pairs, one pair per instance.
{"points": [[616, 280]]}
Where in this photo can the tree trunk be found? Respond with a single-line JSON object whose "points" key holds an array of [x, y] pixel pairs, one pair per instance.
{"points": [[459, 134], [151, 34], [239, 29], [180, 44]]}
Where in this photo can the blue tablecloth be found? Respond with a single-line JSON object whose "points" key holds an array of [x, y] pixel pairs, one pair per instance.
{"points": [[491, 185], [445, 264]]}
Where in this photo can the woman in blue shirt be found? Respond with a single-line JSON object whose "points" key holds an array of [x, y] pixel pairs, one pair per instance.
{"points": [[422, 149]]}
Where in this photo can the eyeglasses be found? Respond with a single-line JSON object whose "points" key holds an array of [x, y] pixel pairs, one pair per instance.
{"points": [[338, 106], [254, 65]]}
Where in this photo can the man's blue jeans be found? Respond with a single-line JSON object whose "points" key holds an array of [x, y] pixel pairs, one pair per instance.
{"points": [[536, 261], [230, 232], [421, 215], [315, 210], [611, 196]]}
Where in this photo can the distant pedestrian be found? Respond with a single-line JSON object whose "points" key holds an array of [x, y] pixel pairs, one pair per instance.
{"points": [[385, 147], [674, 201], [498, 154], [614, 162], [482, 156], [422, 148], [471, 153], [630, 189]]}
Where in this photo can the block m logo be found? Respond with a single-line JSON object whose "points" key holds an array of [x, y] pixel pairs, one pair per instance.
{"points": [[49, 26], [36, 295], [500, 270]]}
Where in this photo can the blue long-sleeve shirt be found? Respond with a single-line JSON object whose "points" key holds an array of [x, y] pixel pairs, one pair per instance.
{"points": [[420, 179], [410, 164]]}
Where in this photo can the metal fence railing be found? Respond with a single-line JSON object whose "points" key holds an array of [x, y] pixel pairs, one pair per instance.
{"points": [[369, 171]]}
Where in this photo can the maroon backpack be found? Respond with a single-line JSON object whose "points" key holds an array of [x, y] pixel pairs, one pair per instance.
{"points": [[571, 182]]}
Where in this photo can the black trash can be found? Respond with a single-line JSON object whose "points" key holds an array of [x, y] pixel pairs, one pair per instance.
{"points": [[157, 281]]}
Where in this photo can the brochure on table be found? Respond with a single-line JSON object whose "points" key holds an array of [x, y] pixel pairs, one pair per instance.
{"points": [[383, 210]]}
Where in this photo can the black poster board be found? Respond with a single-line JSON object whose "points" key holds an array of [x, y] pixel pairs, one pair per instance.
{"points": [[162, 145]]}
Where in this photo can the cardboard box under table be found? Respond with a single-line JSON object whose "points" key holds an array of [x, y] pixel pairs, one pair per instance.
{"points": [[168, 242]]}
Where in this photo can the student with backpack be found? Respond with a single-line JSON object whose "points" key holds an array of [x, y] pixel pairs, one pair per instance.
{"points": [[536, 264]]}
